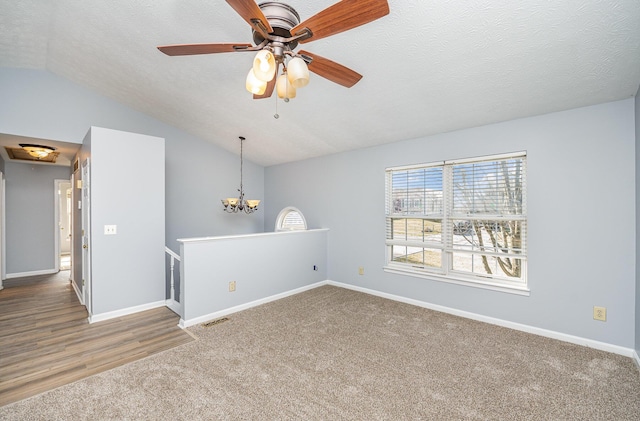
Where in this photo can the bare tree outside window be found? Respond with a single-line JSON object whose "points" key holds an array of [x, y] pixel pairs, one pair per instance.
{"points": [[492, 189]]}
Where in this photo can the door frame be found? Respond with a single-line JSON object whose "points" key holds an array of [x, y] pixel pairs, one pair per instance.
{"points": [[86, 236]]}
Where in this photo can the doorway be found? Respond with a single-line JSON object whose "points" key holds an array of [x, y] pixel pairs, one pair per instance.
{"points": [[63, 191], [86, 237], [63, 224]]}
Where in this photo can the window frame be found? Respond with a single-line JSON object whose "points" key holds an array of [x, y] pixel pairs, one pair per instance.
{"points": [[447, 248], [282, 216]]}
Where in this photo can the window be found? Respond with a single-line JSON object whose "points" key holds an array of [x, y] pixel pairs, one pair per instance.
{"points": [[290, 219], [463, 221]]}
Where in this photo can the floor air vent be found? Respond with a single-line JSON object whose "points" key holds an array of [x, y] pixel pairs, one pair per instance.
{"points": [[215, 322]]}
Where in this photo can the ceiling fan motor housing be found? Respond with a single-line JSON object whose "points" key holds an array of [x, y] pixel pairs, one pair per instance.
{"points": [[282, 18]]}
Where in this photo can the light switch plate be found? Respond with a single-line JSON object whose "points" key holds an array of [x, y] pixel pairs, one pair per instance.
{"points": [[110, 230]]}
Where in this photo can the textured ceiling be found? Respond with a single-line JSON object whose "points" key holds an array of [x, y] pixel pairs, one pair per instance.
{"points": [[428, 66]]}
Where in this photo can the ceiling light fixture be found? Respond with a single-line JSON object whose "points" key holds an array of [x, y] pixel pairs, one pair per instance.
{"points": [[235, 205], [37, 151], [277, 30], [295, 74]]}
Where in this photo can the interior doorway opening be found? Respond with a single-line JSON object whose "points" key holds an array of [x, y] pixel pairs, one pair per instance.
{"points": [[64, 238]]}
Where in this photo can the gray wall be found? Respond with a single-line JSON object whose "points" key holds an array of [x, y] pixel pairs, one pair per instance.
{"points": [[581, 213], [30, 224], [127, 190], [262, 265], [198, 174], [637, 116]]}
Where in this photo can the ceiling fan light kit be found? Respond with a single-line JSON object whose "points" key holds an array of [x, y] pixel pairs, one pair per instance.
{"points": [[277, 31], [284, 88], [255, 85], [264, 65], [298, 72]]}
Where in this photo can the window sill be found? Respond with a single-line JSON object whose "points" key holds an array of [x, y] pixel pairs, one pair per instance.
{"points": [[493, 286]]}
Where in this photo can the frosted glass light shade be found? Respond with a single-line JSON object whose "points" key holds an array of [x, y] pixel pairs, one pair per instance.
{"points": [[284, 88], [233, 202], [298, 72], [264, 65], [255, 85], [253, 203]]}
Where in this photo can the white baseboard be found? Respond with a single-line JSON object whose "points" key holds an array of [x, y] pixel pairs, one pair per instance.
{"points": [[590, 343], [125, 311], [216, 315], [33, 273], [78, 292]]}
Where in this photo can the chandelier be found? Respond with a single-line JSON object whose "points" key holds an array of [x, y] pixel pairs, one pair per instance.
{"points": [[235, 205]]}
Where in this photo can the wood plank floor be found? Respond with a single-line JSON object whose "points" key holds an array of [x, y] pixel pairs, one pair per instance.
{"points": [[46, 340]]}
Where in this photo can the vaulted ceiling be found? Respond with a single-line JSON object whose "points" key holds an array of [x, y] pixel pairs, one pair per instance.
{"points": [[428, 66]]}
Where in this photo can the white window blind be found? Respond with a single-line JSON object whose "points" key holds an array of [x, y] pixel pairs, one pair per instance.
{"points": [[290, 219], [460, 220]]}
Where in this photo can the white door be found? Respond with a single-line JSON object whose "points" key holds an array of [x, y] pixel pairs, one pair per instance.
{"points": [[86, 236]]}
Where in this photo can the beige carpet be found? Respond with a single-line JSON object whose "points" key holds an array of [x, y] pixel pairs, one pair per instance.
{"points": [[336, 354]]}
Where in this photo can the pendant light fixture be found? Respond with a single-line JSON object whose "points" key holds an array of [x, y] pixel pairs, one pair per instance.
{"points": [[239, 204]]}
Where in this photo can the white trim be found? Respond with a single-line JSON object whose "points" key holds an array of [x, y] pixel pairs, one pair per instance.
{"points": [[172, 253], [493, 285], [125, 311], [458, 161], [260, 234], [507, 155], [283, 214], [32, 273], [589, 343], [636, 359], [215, 315], [174, 306], [78, 292]]}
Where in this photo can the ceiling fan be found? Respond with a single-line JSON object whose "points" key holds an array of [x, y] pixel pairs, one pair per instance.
{"points": [[277, 31]]}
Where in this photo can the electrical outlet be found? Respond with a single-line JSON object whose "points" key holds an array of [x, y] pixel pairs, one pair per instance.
{"points": [[110, 230], [232, 286], [360, 270], [600, 313]]}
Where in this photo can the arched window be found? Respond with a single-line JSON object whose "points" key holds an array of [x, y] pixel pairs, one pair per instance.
{"points": [[290, 219]]}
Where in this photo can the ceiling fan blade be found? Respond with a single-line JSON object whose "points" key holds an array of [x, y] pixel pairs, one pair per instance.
{"points": [[191, 49], [269, 91], [250, 11], [342, 16], [331, 70]]}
